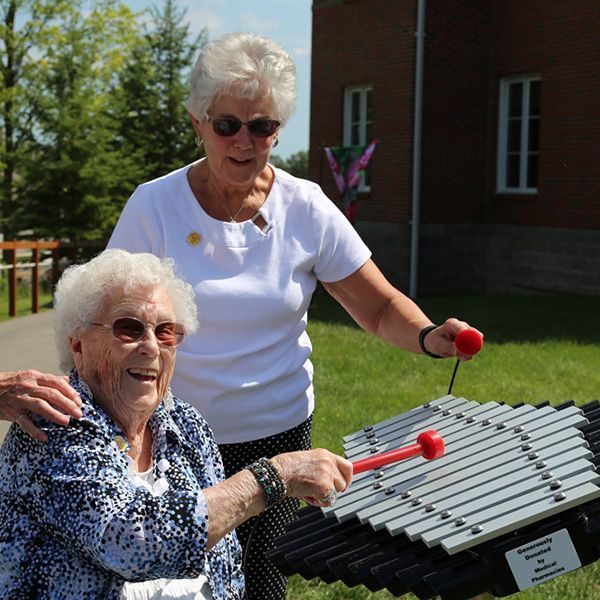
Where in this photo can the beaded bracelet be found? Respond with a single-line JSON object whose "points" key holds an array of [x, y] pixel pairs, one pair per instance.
{"points": [[269, 479], [276, 478]]}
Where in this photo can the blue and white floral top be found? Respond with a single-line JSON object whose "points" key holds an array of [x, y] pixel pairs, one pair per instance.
{"points": [[73, 524]]}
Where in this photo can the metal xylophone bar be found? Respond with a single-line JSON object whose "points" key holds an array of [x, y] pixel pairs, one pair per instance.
{"points": [[510, 476]]}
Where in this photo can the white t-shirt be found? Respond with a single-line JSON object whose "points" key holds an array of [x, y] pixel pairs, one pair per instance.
{"points": [[247, 369]]}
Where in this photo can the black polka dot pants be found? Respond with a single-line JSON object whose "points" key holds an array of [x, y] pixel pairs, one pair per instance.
{"points": [[264, 581]]}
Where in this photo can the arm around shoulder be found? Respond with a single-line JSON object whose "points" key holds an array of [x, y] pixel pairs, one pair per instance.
{"points": [[23, 393]]}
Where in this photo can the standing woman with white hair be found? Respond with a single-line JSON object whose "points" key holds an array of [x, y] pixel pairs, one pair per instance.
{"points": [[254, 241]]}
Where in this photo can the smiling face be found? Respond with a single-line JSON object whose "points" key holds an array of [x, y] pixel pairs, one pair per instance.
{"points": [[236, 161], [128, 379]]}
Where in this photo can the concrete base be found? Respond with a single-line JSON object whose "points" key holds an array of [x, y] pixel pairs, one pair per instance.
{"points": [[489, 259], [390, 245]]}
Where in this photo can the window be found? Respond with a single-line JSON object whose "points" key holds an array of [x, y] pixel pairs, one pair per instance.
{"points": [[358, 113], [518, 135]]}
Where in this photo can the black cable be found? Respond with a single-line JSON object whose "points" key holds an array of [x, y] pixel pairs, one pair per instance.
{"points": [[453, 376]]}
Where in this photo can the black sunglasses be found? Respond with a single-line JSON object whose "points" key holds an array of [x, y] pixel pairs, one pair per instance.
{"points": [[130, 329], [228, 126]]}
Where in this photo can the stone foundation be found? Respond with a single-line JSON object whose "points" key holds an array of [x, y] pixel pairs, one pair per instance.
{"points": [[489, 259]]}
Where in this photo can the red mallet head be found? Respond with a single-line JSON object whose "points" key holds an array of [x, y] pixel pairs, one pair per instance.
{"points": [[469, 342], [429, 444], [432, 444]]}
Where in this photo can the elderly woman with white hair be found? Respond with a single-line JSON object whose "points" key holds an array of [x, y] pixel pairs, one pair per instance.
{"points": [[254, 242], [130, 501]]}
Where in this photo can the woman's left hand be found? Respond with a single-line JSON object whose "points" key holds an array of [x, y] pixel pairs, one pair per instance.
{"points": [[441, 340]]}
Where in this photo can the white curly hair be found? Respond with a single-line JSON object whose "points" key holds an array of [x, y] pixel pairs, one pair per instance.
{"points": [[245, 65], [82, 289]]}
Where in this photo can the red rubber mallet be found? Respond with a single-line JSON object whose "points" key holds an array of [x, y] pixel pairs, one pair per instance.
{"points": [[469, 342], [429, 444]]}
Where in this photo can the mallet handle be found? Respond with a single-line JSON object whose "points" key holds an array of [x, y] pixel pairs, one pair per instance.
{"points": [[374, 462], [429, 444]]}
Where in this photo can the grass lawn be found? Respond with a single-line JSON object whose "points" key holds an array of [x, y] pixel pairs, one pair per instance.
{"points": [[536, 349]]}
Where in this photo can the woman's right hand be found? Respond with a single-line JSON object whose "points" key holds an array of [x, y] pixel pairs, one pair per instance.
{"points": [[26, 392], [313, 474]]}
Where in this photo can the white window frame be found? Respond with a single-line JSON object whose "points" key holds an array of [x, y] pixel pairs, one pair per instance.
{"points": [[503, 121], [362, 127]]}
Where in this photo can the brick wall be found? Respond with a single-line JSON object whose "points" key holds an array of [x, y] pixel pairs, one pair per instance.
{"points": [[466, 227], [455, 123], [366, 42], [560, 41]]}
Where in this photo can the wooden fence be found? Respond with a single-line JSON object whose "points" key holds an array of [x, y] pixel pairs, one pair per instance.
{"points": [[13, 252]]}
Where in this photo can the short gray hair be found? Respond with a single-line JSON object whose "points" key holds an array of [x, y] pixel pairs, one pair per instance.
{"points": [[245, 65], [82, 289]]}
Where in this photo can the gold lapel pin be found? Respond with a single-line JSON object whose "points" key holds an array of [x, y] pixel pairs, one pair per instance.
{"points": [[120, 442], [193, 238]]}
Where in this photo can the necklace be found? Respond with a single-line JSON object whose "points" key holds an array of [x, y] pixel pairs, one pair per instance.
{"points": [[232, 218]]}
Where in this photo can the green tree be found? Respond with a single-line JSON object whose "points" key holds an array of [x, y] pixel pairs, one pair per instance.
{"points": [[92, 103], [154, 86], [77, 176], [24, 30], [296, 164]]}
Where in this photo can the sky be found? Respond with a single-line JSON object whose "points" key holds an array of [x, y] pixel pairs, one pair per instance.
{"points": [[288, 22]]}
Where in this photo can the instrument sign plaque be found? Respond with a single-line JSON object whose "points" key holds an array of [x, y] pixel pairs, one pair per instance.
{"points": [[543, 559]]}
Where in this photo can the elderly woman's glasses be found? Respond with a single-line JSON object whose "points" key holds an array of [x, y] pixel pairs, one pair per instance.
{"points": [[228, 126], [130, 329]]}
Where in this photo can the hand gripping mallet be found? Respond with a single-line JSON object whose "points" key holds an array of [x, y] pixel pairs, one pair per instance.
{"points": [[429, 444]]}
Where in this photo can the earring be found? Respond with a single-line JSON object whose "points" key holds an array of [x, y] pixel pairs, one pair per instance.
{"points": [[199, 141], [275, 143]]}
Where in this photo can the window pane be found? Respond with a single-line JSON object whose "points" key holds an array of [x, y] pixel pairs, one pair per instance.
{"points": [[513, 170], [534, 135], [368, 134], [369, 105], [366, 180], [514, 135], [358, 121], [519, 142], [532, 171], [534, 98], [355, 109], [354, 134], [515, 100]]}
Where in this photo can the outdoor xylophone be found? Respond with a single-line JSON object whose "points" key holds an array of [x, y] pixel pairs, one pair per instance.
{"points": [[513, 502]]}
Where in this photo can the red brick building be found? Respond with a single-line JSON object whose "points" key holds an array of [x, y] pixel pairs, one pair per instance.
{"points": [[509, 186]]}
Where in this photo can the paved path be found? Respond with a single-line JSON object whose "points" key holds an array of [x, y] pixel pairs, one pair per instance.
{"points": [[27, 343]]}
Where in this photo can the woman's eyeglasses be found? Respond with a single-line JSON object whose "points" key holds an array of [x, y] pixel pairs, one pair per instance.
{"points": [[228, 126], [130, 329]]}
